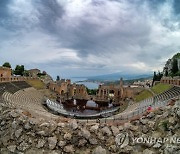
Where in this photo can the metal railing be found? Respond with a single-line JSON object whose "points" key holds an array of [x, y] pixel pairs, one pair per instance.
{"points": [[60, 109], [138, 111]]}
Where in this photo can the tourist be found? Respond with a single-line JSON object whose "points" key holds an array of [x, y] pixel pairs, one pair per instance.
{"points": [[149, 109]]}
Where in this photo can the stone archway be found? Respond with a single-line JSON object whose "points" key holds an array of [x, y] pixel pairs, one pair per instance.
{"points": [[74, 91], [62, 92], [111, 95], [111, 92]]}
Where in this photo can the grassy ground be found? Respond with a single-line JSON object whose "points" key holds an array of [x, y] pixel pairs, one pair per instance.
{"points": [[38, 84], [143, 95], [159, 88]]}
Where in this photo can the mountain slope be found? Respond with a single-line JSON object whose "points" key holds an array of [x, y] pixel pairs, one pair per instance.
{"points": [[117, 76]]}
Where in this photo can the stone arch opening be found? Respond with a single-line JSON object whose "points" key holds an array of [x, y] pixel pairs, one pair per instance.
{"points": [[111, 92], [62, 92]]}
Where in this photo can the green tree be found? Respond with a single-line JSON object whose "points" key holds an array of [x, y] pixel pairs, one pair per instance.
{"points": [[159, 76], [41, 74], [7, 64], [19, 70], [175, 66], [58, 78], [44, 72], [166, 72], [154, 77], [176, 56], [25, 73], [91, 91]]}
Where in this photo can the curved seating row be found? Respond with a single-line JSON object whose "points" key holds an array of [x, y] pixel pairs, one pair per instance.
{"points": [[22, 98], [8, 86], [161, 99], [13, 87], [21, 84], [28, 99], [175, 91]]}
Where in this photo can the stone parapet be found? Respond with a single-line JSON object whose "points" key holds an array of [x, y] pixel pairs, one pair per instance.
{"points": [[11, 79]]}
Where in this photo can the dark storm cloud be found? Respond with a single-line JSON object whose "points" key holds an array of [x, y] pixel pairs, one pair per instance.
{"points": [[16, 16], [4, 12], [4, 8], [154, 4], [176, 6], [85, 37], [49, 13]]}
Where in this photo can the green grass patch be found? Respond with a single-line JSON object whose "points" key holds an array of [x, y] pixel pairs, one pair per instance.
{"points": [[38, 84], [143, 95], [159, 88]]}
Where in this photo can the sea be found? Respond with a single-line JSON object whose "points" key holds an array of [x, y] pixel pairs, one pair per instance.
{"points": [[89, 85]]}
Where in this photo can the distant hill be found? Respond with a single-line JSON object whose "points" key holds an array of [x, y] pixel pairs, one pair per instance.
{"points": [[117, 76], [172, 66]]}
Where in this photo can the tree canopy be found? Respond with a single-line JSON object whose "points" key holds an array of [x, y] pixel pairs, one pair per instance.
{"points": [[58, 78], [19, 70], [7, 64], [157, 76], [176, 56], [175, 66], [91, 91]]}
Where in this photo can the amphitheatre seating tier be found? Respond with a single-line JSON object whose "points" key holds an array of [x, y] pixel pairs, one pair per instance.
{"points": [[138, 109], [13, 87], [173, 92], [1, 91], [21, 84], [162, 99], [8, 86], [28, 99]]}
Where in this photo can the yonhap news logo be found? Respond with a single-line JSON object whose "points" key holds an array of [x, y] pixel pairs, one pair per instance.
{"points": [[123, 139]]}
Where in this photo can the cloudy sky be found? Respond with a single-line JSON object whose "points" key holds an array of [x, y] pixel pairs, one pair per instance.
{"points": [[89, 37]]}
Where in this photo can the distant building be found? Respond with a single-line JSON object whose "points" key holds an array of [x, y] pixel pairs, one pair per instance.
{"points": [[170, 80], [145, 83], [33, 72], [67, 90], [5, 72], [60, 86], [114, 93]]}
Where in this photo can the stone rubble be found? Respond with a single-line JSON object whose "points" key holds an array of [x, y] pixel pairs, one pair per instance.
{"points": [[20, 134], [99, 150], [52, 142]]}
